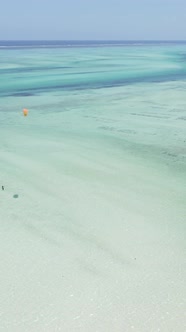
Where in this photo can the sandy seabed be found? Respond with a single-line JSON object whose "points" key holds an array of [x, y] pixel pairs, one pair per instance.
{"points": [[92, 218]]}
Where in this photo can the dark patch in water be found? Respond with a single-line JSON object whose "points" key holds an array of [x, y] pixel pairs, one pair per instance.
{"points": [[182, 118], [15, 196], [170, 154], [31, 69], [22, 94], [150, 115], [125, 131]]}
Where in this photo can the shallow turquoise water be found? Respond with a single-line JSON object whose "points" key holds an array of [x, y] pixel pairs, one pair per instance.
{"points": [[93, 211], [44, 70]]}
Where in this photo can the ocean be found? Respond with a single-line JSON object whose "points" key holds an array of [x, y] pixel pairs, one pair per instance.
{"points": [[93, 211]]}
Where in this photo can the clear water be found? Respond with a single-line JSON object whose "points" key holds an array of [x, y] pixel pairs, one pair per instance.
{"points": [[92, 215]]}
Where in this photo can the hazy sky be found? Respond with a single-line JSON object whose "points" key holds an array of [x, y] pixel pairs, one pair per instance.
{"points": [[93, 19]]}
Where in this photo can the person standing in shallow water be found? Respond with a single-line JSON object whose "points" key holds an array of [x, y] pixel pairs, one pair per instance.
{"points": [[3, 188]]}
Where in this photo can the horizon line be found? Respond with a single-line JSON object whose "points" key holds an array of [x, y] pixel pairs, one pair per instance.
{"points": [[114, 40]]}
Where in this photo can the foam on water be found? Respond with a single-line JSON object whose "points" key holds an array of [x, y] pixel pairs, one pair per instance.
{"points": [[92, 218]]}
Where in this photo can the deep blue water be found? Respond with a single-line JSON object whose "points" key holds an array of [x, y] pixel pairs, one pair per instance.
{"points": [[81, 43]]}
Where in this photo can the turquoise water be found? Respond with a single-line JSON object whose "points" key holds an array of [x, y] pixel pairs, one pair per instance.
{"points": [[93, 213]]}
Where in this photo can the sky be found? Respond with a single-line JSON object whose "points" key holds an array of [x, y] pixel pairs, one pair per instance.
{"points": [[93, 20]]}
